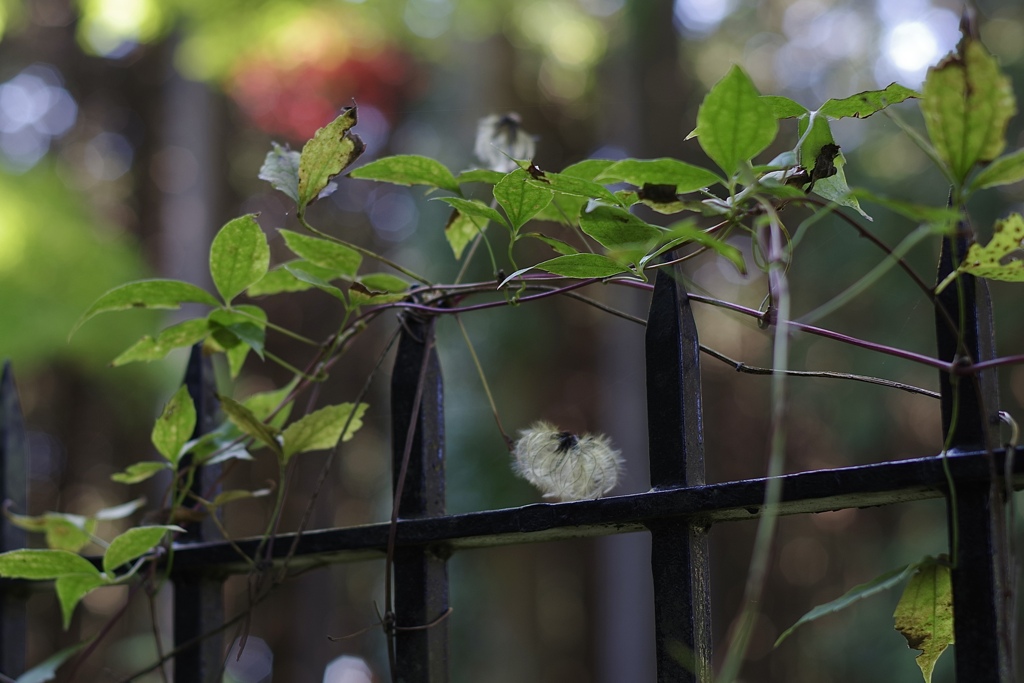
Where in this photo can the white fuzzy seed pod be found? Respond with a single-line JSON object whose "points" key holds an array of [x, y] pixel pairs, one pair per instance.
{"points": [[566, 466], [498, 136]]}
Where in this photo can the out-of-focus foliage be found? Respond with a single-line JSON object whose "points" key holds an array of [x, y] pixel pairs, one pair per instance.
{"points": [[54, 260]]}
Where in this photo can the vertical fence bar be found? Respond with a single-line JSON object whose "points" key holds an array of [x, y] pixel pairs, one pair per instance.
{"points": [[679, 553], [14, 489], [982, 596], [420, 574], [199, 598]]}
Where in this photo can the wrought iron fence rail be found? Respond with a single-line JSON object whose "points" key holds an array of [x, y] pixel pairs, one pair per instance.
{"points": [[803, 492]]}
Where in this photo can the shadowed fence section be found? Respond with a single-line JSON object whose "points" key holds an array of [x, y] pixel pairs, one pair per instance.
{"points": [[677, 511]]}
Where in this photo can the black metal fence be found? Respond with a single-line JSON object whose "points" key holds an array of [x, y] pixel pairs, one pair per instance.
{"points": [[678, 511]]}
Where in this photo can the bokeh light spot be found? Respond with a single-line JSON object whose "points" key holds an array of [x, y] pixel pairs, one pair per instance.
{"points": [[912, 46], [701, 16], [34, 109], [111, 28]]}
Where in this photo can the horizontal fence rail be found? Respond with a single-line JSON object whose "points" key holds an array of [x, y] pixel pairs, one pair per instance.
{"points": [[805, 492]]}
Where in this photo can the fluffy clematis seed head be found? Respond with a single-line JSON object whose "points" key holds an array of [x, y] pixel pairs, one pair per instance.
{"points": [[565, 466], [500, 137]]}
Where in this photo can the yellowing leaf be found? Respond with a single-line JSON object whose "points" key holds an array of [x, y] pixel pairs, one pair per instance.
{"points": [[134, 543], [967, 104], [73, 587], [322, 429], [175, 425], [248, 422], [924, 614], [331, 150], [1003, 257], [461, 229]]}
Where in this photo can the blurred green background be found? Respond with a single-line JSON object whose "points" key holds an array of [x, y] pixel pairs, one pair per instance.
{"points": [[130, 130]]}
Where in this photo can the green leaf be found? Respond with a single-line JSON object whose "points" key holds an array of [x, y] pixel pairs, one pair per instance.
{"points": [[474, 207], [322, 429], [332, 149], [787, 159], [520, 199], [68, 532], [301, 273], [148, 348], [239, 256], [614, 227], [735, 124], [236, 356], [63, 531], [582, 266], [783, 107], [924, 614], [265, 403], [566, 208], [835, 189], [147, 294], [134, 543], [139, 471], [1005, 170], [175, 425], [821, 157], [460, 230], [220, 445], [1003, 257], [410, 169], [684, 177], [70, 589], [685, 231], [864, 104], [225, 497], [280, 278], [281, 169], [576, 187], [480, 175], [236, 331], [121, 511], [384, 282], [43, 564], [588, 169], [360, 294], [558, 245], [46, 670], [881, 583], [234, 452], [967, 105], [246, 420], [324, 253]]}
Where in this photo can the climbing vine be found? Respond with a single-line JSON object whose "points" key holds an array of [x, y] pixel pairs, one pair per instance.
{"points": [[966, 101]]}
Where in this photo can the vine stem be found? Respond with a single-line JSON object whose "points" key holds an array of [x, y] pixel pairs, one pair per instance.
{"points": [[757, 575], [745, 310], [483, 380], [325, 470]]}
